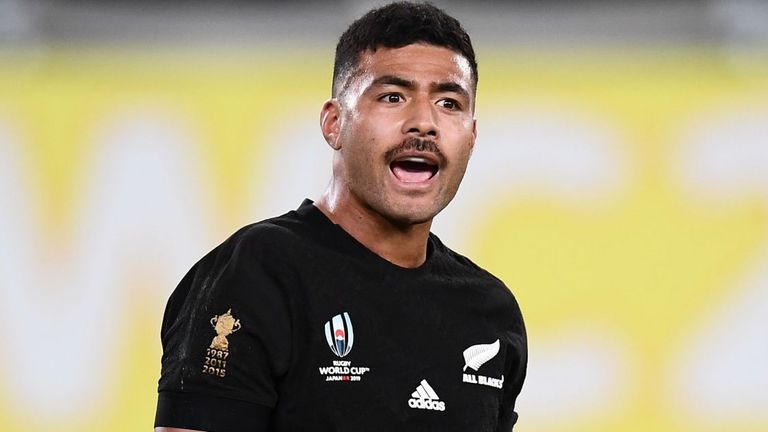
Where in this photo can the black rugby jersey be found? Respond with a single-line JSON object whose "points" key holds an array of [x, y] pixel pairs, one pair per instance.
{"points": [[293, 325]]}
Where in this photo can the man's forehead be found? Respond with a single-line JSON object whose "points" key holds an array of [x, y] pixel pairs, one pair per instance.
{"points": [[443, 64], [415, 58]]}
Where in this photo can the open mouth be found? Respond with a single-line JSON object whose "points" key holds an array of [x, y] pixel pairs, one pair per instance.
{"points": [[413, 169]]}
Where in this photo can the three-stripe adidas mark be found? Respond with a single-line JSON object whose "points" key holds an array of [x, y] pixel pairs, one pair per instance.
{"points": [[425, 398]]}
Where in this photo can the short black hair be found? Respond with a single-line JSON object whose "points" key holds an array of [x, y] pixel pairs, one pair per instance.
{"points": [[395, 26]]}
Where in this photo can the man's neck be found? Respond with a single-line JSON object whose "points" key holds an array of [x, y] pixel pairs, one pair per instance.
{"points": [[404, 246]]}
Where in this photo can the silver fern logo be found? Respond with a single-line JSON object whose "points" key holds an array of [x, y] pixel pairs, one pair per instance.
{"points": [[339, 334], [477, 355]]}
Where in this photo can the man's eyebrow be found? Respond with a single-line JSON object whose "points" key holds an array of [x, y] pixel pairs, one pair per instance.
{"points": [[450, 87], [393, 80], [440, 87]]}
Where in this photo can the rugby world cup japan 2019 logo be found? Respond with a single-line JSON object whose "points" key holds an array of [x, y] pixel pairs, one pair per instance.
{"points": [[340, 337], [339, 334]]}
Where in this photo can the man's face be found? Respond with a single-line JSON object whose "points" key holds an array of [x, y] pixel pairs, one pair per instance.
{"points": [[404, 130]]}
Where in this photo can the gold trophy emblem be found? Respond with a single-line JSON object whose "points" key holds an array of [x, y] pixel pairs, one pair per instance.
{"points": [[225, 325]]}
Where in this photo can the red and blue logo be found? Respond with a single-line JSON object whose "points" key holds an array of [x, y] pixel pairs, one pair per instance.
{"points": [[339, 334]]}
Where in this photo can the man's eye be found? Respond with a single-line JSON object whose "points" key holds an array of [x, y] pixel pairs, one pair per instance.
{"points": [[392, 98], [448, 104]]}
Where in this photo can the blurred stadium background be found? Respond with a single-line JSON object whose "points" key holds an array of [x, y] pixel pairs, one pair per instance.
{"points": [[619, 187]]}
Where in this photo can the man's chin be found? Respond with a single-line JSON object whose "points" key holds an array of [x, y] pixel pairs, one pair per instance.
{"points": [[410, 215]]}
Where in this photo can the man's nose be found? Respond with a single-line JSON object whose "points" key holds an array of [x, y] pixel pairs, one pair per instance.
{"points": [[422, 118]]}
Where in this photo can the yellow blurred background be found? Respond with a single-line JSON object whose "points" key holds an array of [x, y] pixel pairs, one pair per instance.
{"points": [[619, 189]]}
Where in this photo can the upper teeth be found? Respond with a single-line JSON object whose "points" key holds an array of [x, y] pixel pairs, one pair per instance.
{"points": [[415, 159]]}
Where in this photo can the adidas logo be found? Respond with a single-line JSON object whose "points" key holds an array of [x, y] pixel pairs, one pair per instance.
{"points": [[425, 398]]}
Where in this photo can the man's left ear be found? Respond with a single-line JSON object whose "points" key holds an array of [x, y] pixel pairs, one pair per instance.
{"points": [[474, 137]]}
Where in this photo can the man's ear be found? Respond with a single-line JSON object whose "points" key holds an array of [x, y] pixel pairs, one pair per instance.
{"points": [[330, 122], [474, 136]]}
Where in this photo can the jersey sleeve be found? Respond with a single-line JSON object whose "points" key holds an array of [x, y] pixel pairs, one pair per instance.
{"points": [[226, 342], [515, 370]]}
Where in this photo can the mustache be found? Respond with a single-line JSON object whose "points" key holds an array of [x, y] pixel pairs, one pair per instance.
{"points": [[417, 144]]}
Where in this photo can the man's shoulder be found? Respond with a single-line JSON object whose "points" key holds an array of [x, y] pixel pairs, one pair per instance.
{"points": [[276, 232], [459, 261], [462, 264], [261, 249], [264, 241]]}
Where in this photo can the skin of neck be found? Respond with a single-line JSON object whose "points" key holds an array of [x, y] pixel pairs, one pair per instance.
{"points": [[402, 245]]}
